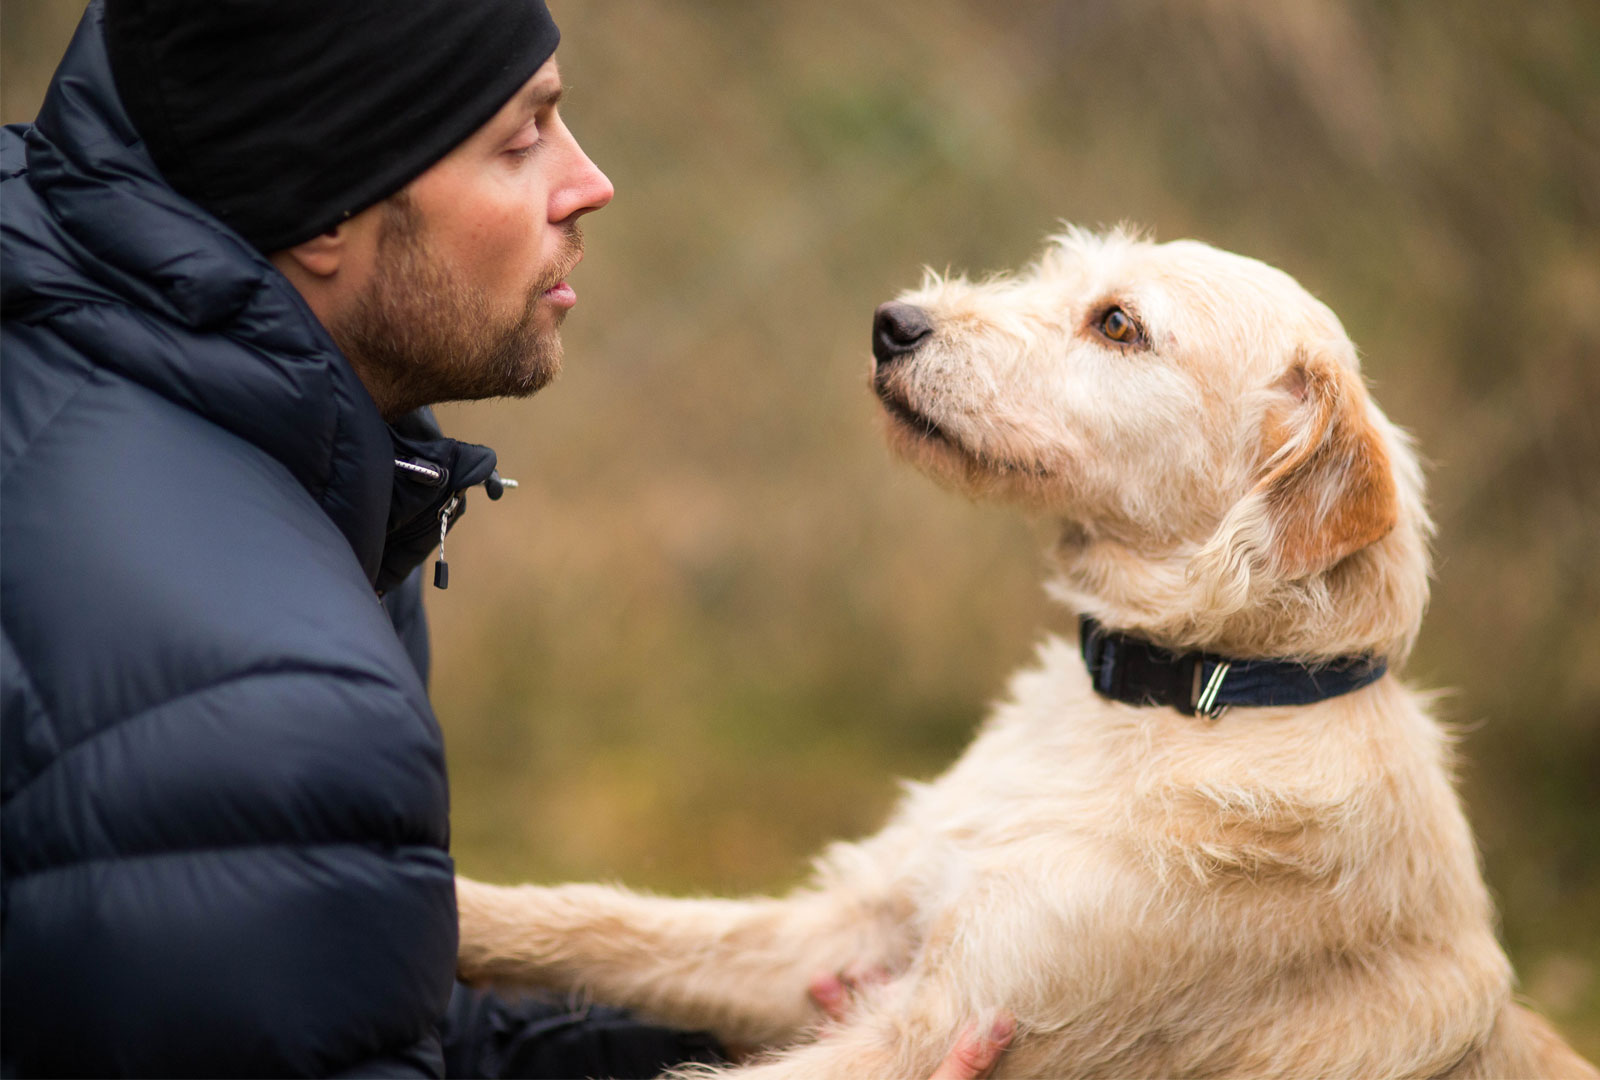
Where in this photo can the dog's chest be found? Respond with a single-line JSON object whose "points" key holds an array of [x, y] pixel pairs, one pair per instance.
{"points": [[1015, 819]]}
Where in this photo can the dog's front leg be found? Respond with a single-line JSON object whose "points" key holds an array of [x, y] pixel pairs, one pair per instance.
{"points": [[903, 1030], [739, 968]]}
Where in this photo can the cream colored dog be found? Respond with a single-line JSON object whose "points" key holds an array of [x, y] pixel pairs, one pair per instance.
{"points": [[1279, 891]]}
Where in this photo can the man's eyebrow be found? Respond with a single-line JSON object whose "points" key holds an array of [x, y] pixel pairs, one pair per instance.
{"points": [[542, 96]]}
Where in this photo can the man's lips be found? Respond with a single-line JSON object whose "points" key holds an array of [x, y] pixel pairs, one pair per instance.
{"points": [[562, 294]]}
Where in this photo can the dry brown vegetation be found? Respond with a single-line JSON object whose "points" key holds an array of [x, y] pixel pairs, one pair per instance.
{"points": [[716, 619]]}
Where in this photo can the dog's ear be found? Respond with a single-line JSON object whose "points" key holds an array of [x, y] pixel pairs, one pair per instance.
{"points": [[1326, 487]]}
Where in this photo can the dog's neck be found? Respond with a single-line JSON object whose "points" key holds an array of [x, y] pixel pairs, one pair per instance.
{"points": [[1130, 669], [1370, 604]]}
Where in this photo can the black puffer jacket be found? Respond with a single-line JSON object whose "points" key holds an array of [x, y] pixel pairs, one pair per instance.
{"points": [[225, 815]]}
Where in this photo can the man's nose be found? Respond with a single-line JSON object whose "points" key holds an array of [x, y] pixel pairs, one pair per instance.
{"points": [[588, 189]]}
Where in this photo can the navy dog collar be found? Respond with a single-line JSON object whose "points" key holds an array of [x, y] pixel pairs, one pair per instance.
{"points": [[1134, 671]]}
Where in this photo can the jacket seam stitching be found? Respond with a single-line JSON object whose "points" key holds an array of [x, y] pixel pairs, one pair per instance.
{"points": [[121, 858], [118, 725], [85, 381]]}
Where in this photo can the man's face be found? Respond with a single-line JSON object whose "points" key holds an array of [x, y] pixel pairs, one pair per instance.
{"points": [[469, 285]]}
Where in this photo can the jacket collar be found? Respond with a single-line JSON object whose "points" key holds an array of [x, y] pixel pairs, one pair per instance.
{"points": [[431, 476]]}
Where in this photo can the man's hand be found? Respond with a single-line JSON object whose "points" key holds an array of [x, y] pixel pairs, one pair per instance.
{"points": [[975, 1054], [833, 992]]}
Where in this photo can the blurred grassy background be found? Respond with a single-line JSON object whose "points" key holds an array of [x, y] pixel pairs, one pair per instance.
{"points": [[716, 620]]}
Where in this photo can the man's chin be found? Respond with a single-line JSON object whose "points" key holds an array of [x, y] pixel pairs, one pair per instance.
{"points": [[537, 378], [537, 366]]}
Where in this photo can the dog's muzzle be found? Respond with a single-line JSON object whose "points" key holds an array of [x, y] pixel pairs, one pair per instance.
{"points": [[897, 330]]}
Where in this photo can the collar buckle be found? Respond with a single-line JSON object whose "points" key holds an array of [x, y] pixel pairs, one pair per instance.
{"points": [[1204, 701]]}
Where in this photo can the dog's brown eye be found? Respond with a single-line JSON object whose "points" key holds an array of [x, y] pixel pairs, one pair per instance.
{"points": [[1116, 325]]}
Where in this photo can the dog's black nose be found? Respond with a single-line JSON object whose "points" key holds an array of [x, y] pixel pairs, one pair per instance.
{"points": [[897, 329]]}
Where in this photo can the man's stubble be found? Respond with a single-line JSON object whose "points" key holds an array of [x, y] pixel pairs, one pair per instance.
{"points": [[418, 336]]}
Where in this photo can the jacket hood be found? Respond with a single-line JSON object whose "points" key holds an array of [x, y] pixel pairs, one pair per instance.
{"points": [[150, 286]]}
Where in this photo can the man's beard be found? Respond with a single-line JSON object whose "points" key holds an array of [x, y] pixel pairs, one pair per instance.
{"points": [[418, 336]]}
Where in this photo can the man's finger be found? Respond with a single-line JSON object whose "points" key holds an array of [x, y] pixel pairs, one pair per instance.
{"points": [[976, 1055], [831, 995], [834, 992]]}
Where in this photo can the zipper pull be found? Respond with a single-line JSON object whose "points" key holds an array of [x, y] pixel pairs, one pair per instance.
{"points": [[441, 569]]}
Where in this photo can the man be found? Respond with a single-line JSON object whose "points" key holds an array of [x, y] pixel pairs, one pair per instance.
{"points": [[245, 245]]}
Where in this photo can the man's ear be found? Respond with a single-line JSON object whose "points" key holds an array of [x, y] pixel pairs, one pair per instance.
{"points": [[321, 256], [1327, 487]]}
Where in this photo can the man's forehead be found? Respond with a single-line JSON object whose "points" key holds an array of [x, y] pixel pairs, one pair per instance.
{"points": [[541, 91]]}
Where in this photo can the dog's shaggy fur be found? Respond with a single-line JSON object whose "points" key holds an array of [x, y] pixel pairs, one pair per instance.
{"points": [[1280, 892]]}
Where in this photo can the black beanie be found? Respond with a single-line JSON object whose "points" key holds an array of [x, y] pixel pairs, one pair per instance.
{"points": [[284, 117]]}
